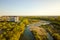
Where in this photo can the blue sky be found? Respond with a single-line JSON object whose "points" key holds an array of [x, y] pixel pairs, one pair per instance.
{"points": [[29, 6]]}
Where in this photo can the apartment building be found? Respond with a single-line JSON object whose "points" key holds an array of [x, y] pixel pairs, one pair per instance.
{"points": [[9, 18]]}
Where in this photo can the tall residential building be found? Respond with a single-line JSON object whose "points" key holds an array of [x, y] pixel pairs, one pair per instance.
{"points": [[9, 18]]}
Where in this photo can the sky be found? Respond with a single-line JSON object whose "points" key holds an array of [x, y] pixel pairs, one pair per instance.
{"points": [[29, 7]]}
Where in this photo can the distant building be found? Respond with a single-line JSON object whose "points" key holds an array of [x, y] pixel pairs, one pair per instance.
{"points": [[9, 18]]}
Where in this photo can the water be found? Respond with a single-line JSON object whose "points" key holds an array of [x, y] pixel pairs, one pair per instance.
{"points": [[40, 23], [27, 35], [49, 37]]}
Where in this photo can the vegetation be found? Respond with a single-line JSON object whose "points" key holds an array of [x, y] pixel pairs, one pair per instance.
{"points": [[39, 33], [14, 30], [53, 28]]}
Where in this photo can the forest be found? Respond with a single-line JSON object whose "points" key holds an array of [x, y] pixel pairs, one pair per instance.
{"points": [[30, 28]]}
